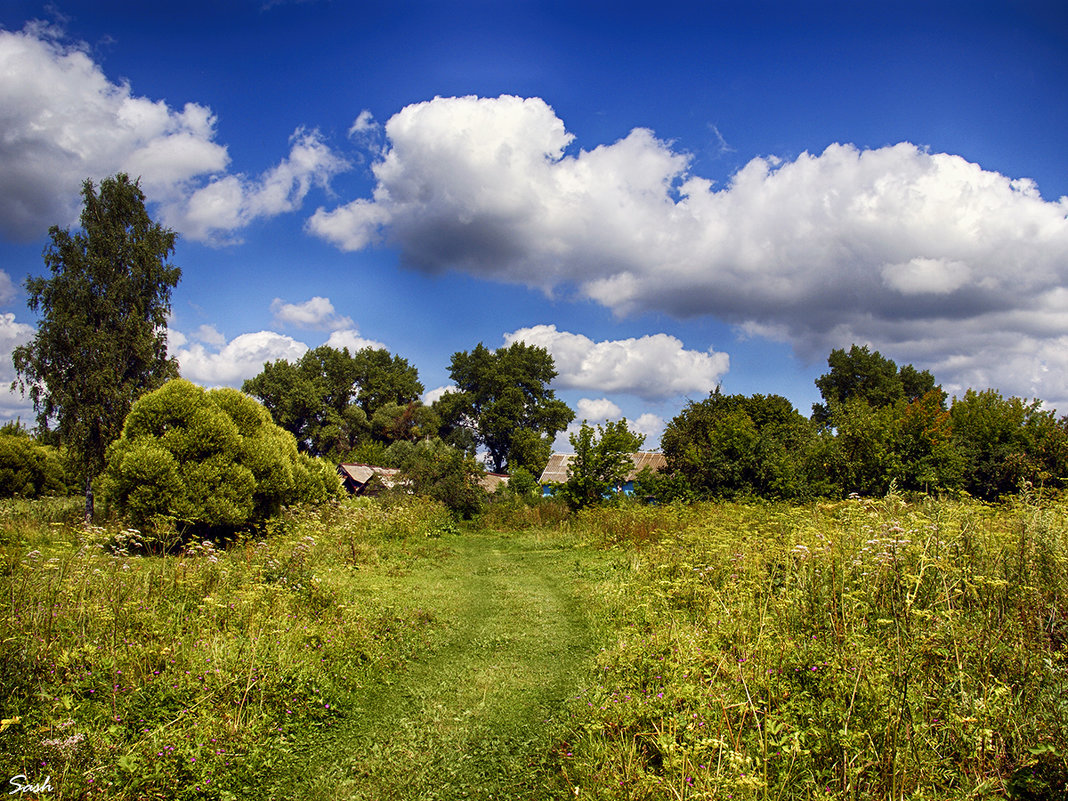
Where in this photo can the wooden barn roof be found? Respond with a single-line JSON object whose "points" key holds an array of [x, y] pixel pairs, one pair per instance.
{"points": [[360, 474], [555, 471], [491, 482]]}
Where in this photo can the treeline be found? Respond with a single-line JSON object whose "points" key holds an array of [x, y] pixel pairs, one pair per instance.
{"points": [[223, 459], [365, 406], [114, 417], [113, 413], [878, 427]]}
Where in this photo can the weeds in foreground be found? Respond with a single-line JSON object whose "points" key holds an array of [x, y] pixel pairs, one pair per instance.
{"points": [[860, 650], [855, 650], [186, 676]]}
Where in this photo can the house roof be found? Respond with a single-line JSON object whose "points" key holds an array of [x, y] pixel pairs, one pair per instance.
{"points": [[362, 473], [492, 481], [555, 471]]}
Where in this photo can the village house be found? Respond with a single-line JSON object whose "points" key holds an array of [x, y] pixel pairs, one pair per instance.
{"points": [[366, 479], [555, 471]]}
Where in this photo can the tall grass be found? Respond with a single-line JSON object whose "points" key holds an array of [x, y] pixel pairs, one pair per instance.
{"points": [[853, 650], [128, 675], [859, 650]]}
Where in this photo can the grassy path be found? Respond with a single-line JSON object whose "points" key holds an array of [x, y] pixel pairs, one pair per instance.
{"points": [[471, 720]]}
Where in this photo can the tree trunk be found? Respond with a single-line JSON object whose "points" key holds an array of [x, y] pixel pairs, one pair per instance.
{"points": [[89, 500]]}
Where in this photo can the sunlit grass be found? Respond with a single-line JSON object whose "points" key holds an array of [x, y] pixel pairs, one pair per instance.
{"points": [[129, 673], [854, 650]]}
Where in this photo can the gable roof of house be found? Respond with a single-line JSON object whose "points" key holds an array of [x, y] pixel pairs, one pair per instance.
{"points": [[357, 476], [555, 471], [492, 481]]}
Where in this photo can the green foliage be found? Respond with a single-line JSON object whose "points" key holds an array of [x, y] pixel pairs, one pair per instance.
{"points": [[663, 487], [846, 651], [435, 470], [734, 445], [868, 449], [880, 427], [29, 470], [101, 341], [856, 650], [868, 376], [382, 378], [502, 401], [929, 458], [1007, 441], [333, 401], [394, 422], [522, 484], [601, 463], [208, 459], [191, 676]]}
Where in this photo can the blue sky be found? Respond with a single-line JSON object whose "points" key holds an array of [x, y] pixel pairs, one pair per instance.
{"points": [[667, 196]]}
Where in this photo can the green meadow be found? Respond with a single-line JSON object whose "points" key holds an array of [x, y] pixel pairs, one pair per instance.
{"points": [[861, 649]]}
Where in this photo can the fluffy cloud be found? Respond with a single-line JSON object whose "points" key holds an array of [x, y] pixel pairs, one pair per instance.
{"points": [[652, 426], [214, 211], [363, 124], [925, 255], [316, 313], [7, 288], [63, 119], [12, 334], [653, 367], [597, 410], [350, 338], [233, 362]]}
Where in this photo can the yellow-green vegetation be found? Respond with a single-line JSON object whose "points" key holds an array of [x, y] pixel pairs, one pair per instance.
{"points": [[863, 649], [857, 650], [189, 676]]}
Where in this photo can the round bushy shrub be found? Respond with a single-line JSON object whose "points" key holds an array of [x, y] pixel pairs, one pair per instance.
{"points": [[208, 459], [29, 470]]}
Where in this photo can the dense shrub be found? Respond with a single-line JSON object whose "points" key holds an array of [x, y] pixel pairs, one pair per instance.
{"points": [[29, 470], [208, 459], [730, 446], [438, 471]]}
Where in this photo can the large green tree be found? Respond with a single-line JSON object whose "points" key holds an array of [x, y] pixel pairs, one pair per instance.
{"points": [[502, 401], [330, 398], [869, 376], [731, 445], [102, 337]]}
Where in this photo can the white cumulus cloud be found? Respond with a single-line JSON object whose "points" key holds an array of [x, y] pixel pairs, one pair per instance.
{"points": [[597, 410], [12, 402], [653, 367], [363, 124], [352, 339], [62, 120], [241, 358], [316, 313], [227, 204], [846, 245]]}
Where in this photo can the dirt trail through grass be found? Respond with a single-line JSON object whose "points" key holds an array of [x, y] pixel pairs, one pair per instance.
{"points": [[471, 720]]}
